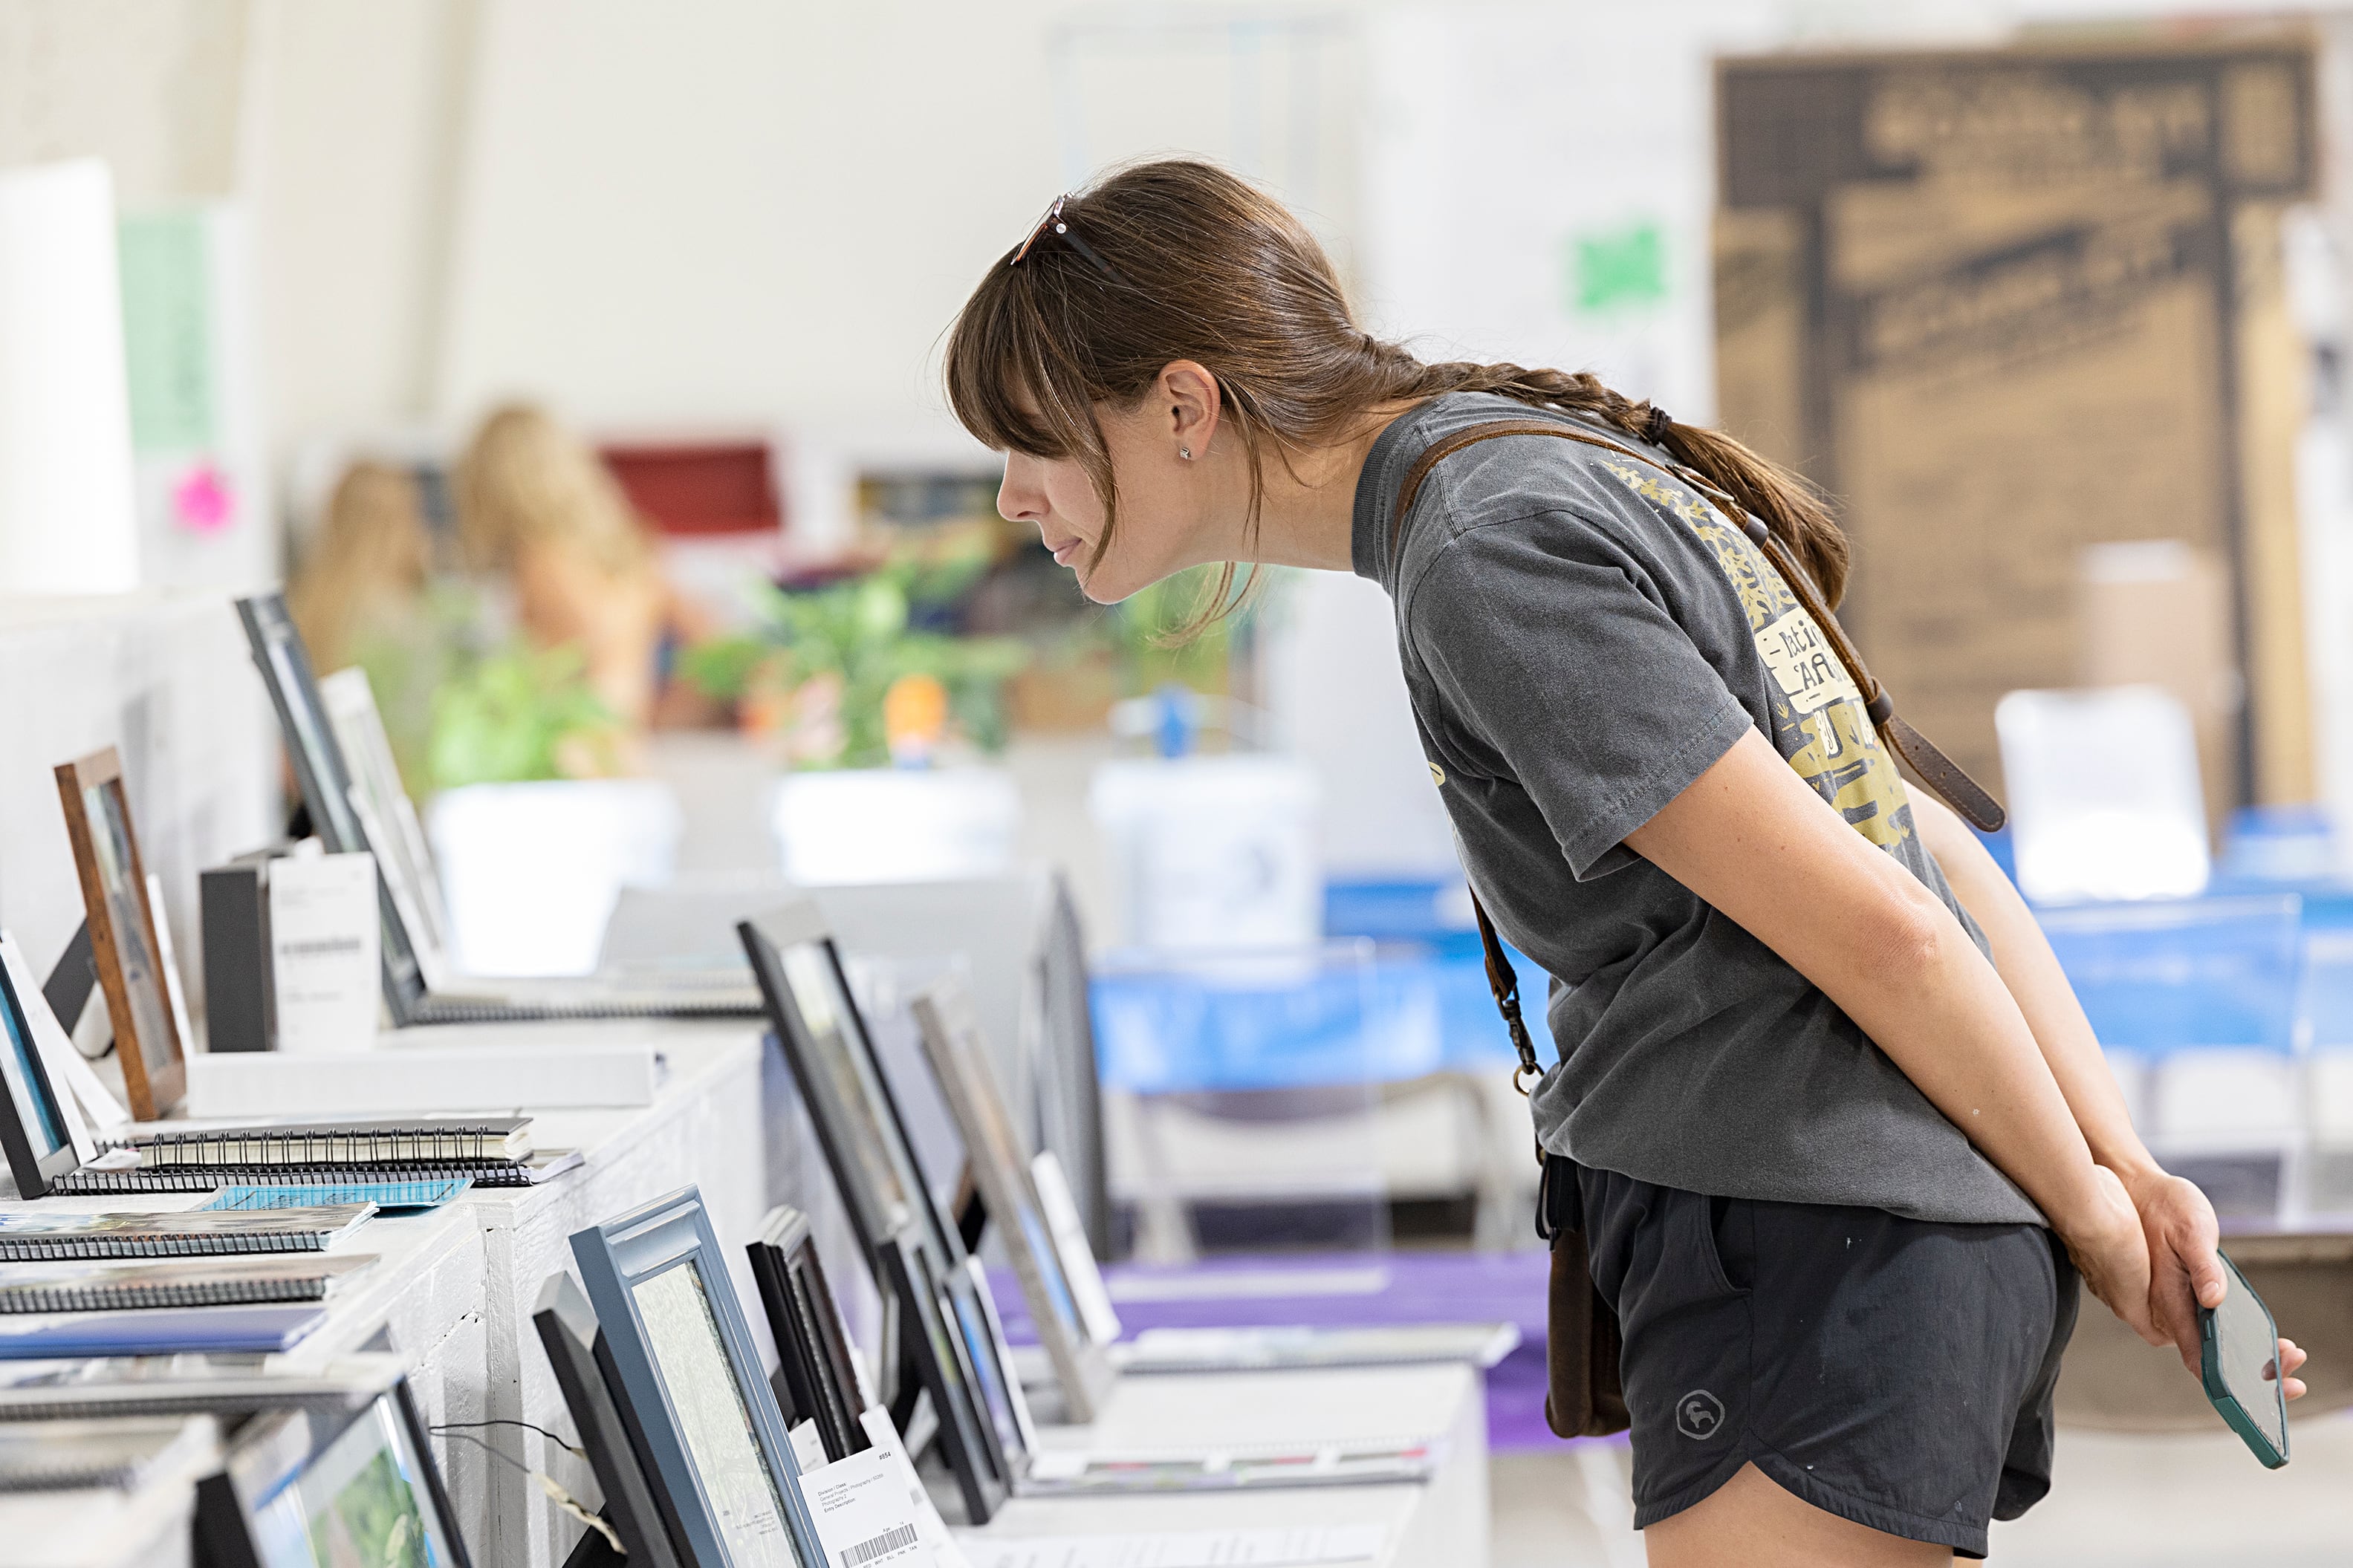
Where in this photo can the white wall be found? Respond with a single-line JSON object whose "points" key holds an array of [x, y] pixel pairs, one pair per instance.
{"points": [[165, 681], [354, 125], [733, 211]]}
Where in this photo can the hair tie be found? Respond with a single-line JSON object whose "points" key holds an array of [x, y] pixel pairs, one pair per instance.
{"points": [[1655, 427]]}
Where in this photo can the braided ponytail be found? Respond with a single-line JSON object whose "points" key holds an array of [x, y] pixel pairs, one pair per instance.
{"points": [[1181, 260], [1767, 491]]}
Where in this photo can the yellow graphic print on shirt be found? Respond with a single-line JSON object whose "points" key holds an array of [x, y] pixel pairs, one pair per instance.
{"points": [[1819, 723]]}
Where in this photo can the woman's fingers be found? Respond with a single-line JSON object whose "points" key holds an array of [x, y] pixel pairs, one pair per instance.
{"points": [[2291, 1356], [2185, 1270]]}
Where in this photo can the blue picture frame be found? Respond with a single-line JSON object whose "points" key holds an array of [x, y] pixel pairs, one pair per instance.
{"points": [[662, 1295], [36, 1135]]}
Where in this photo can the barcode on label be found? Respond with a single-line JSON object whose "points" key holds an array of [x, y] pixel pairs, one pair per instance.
{"points": [[883, 1545]]}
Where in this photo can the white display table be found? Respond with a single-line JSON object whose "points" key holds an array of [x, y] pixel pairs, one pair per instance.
{"points": [[1444, 1522], [455, 1289]]}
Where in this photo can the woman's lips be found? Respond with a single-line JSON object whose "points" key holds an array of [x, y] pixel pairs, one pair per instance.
{"points": [[1064, 553]]}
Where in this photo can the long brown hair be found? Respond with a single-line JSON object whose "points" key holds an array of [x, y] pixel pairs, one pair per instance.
{"points": [[1175, 260]]}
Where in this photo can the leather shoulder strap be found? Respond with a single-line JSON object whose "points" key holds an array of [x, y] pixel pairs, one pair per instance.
{"points": [[1943, 777]]}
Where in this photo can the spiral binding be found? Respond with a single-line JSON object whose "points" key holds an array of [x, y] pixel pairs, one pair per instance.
{"points": [[205, 1178], [319, 1146], [186, 1293], [173, 1244], [447, 1010]]}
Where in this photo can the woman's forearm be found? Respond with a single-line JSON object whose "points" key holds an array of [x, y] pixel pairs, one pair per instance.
{"points": [[2030, 972], [1756, 843]]}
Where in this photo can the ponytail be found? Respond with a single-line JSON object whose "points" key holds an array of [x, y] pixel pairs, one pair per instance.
{"points": [[1763, 489]]}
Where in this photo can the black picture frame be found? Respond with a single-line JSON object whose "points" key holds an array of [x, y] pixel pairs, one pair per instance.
{"points": [[839, 1075], [817, 1374], [569, 1333], [935, 1346], [36, 1128], [667, 1305], [324, 778], [244, 1512]]}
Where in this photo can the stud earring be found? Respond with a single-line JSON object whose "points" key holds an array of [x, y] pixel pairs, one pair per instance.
{"points": [[1186, 452]]}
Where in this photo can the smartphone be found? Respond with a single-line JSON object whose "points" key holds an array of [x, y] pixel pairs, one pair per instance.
{"points": [[2240, 1366]]}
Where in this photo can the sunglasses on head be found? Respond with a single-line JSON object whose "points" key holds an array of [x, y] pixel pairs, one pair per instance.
{"points": [[1056, 223]]}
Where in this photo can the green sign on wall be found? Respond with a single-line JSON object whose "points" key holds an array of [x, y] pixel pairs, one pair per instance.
{"points": [[1613, 269], [167, 331]]}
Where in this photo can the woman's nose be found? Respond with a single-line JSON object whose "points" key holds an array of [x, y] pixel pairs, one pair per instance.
{"points": [[1018, 501]]}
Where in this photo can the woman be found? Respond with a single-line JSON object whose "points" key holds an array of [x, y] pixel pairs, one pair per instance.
{"points": [[1824, 1082], [536, 505], [363, 577]]}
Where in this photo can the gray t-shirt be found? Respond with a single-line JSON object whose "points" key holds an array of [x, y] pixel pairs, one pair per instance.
{"points": [[1583, 635]]}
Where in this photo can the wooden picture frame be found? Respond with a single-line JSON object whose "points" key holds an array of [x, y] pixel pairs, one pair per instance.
{"points": [[122, 936]]}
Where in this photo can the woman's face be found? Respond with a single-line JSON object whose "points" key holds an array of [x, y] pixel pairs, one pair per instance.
{"points": [[1169, 505]]}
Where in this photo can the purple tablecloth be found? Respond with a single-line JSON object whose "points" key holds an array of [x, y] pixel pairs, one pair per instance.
{"points": [[1374, 1290]]}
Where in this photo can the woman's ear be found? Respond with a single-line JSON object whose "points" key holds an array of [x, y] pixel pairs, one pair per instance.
{"points": [[1188, 407]]}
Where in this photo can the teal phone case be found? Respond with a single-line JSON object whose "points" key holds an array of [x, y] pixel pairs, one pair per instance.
{"points": [[2218, 1393]]}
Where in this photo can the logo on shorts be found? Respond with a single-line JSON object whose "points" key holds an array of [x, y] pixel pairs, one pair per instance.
{"points": [[1699, 1415]]}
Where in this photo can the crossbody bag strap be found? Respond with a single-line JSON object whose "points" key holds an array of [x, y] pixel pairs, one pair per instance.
{"points": [[1944, 777]]}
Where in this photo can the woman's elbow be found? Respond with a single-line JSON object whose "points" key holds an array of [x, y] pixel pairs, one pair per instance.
{"points": [[1909, 937]]}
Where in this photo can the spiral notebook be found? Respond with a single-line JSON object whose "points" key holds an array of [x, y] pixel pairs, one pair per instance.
{"points": [[434, 1140], [174, 1282], [490, 1151], [58, 1237]]}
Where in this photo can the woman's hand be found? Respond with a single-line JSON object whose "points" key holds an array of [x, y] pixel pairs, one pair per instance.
{"points": [[2186, 1273], [2112, 1252]]}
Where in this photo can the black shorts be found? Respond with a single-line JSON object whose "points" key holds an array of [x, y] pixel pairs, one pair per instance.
{"points": [[1894, 1371]]}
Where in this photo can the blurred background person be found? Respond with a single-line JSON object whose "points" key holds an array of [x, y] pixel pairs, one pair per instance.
{"points": [[537, 509]]}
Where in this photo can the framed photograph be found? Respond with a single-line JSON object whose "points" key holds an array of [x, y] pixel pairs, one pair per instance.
{"points": [[714, 1441], [581, 1359], [388, 820], [972, 1314], [323, 778], [316, 1487], [967, 1440], [36, 1124], [1000, 1163], [841, 1079], [122, 935], [816, 1372]]}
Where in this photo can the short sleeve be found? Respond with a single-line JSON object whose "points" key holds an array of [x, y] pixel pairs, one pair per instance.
{"points": [[1547, 643]]}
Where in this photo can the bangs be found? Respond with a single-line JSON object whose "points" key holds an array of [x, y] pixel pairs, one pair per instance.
{"points": [[1009, 382]]}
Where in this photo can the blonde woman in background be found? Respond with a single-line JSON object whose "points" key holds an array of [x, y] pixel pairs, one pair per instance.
{"points": [[536, 505], [363, 579]]}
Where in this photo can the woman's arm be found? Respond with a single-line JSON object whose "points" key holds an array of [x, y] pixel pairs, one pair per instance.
{"points": [[2184, 1270], [1754, 840], [2030, 972]]}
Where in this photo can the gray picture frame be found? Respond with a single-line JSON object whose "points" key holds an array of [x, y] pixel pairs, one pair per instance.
{"points": [[629, 1265], [1000, 1162]]}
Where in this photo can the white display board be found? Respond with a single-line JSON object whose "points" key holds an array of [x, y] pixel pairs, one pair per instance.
{"points": [[66, 518]]}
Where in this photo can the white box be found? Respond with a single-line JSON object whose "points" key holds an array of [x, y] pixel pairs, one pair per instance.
{"points": [[400, 1080]]}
